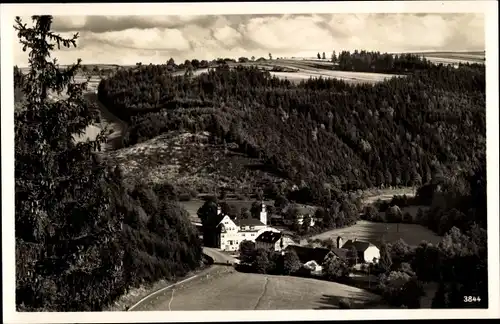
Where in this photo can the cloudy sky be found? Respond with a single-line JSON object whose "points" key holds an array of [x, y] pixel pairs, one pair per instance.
{"points": [[154, 39]]}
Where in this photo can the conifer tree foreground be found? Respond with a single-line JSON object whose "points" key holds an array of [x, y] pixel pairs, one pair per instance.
{"points": [[67, 230]]}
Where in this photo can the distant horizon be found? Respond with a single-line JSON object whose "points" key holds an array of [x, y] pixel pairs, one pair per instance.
{"points": [[288, 57], [126, 40]]}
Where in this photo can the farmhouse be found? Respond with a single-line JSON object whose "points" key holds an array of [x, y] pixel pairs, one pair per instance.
{"points": [[234, 231], [313, 258], [316, 254], [271, 240], [365, 251]]}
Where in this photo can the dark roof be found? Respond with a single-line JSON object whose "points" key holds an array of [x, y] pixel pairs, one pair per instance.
{"points": [[268, 237], [341, 253], [359, 245], [248, 222], [306, 254]]}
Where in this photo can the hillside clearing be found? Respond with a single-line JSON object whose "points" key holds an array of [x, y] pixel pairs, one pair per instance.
{"points": [[370, 196], [234, 290], [373, 232], [189, 160]]}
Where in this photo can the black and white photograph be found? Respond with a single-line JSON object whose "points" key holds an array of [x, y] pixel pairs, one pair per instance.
{"points": [[164, 161]]}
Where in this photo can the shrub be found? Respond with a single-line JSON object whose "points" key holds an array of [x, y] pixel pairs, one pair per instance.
{"points": [[394, 214], [262, 264], [291, 263], [335, 268]]}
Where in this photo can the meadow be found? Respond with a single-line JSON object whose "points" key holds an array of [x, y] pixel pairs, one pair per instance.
{"points": [[232, 290], [373, 232]]}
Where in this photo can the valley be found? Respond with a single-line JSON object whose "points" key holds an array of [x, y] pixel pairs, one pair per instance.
{"points": [[318, 140]]}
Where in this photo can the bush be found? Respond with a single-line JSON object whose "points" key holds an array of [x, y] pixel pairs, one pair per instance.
{"points": [[291, 263], [262, 263], [394, 214], [247, 252], [335, 268]]}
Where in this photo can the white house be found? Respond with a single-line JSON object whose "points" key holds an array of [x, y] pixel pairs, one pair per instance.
{"points": [[234, 231], [273, 240], [366, 252]]}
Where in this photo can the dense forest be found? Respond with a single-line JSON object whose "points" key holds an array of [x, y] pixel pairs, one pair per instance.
{"points": [[399, 132], [83, 238], [364, 61]]}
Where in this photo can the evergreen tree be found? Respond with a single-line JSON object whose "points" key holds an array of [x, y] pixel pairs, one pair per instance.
{"points": [[68, 256], [385, 262], [334, 57]]}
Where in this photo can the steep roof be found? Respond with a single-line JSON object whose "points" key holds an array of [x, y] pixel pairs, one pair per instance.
{"points": [[360, 246], [248, 222], [341, 253], [306, 254], [268, 237]]}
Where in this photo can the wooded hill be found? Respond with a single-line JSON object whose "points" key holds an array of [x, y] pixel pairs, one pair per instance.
{"points": [[398, 132], [83, 237]]}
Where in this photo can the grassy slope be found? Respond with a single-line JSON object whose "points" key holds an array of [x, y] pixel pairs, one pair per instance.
{"points": [[232, 290]]}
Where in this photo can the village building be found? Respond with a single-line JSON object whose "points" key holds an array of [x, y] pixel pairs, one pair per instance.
{"points": [[313, 257], [272, 240], [366, 252], [233, 231]]}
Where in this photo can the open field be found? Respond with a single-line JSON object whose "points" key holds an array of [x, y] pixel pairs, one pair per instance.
{"points": [[372, 195], [351, 77], [322, 68], [232, 290], [373, 232], [454, 57], [308, 69]]}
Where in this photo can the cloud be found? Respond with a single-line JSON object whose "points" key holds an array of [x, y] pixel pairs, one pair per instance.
{"points": [[154, 39]]}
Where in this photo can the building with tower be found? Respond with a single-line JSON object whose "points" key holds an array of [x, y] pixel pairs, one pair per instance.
{"points": [[233, 231]]}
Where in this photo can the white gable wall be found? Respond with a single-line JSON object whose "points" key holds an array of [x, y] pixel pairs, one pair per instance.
{"points": [[230, 238], [370, 253]]}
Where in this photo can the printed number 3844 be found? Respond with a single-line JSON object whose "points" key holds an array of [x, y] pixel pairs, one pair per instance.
{"points": [[472, 299]]}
